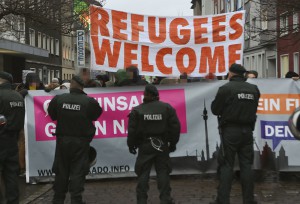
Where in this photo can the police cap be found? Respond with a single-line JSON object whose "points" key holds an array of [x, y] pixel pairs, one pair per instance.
{"points": [[237, 69], [6, 76], [151, 89], [79, 80]]}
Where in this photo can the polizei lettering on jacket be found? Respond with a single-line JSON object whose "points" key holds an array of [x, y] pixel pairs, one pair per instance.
{"points": [[14, 104], [246, 96], [71, 106], [153, 117]]}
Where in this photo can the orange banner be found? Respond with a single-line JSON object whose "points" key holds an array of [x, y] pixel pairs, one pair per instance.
{"points": [[278, 103]]}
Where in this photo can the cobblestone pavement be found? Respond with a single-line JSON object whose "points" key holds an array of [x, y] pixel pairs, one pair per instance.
{"points": [[192, 189]]}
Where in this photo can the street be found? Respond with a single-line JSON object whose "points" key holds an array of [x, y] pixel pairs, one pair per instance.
{"points": [[186, 189]]}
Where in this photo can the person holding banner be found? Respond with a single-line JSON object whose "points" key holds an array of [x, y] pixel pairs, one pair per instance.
{"points": [[12, 113], [74, 113], [235, 105], [154, 129]]}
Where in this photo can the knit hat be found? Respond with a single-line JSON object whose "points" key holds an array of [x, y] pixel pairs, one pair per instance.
{"points": [[151, 89], [237, 69], [6, 76], [79, 80]]}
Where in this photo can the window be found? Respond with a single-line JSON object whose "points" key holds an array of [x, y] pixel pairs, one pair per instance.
{"points": [[72, 54], [31, 37], [49, 76], [253, 27], [247, 31], [44, 41], [296, 62], [21, 24], [57, 47], [48, 43], [51, 45], [39, 40], [52, 74], [57, 75], [264, 19], [232, 6], [41, 73], [239, 5], [216, 8], [295, 22], [222, 5], [284, 24], [284, 64]]}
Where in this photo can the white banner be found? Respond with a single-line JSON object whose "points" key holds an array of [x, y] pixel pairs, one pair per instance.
{"points": [[166, 46], [275, 146]]}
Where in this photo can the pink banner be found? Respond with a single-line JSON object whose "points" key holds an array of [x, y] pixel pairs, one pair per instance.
{"points": [[116, 107]]}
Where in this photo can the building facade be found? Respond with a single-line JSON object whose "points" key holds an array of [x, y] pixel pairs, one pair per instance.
{"points": [[288, 43], [260, 46]]}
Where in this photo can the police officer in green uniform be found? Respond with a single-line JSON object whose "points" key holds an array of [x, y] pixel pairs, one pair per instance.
{"points": [[236, 104], [75, 113], [154, 129], [12, 113]]}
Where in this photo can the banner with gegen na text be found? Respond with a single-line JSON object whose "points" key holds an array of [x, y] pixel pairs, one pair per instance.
{"points": [[275, 146]]}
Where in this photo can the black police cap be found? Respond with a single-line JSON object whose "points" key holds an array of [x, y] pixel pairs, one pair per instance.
{"points": [[237, 69], [151, 89], [6, 76], [79, 80]]}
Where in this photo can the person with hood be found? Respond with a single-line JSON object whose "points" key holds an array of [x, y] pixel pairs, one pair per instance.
{"points": [[154, 130], [74, 113], [134, 77], [32, 82], [12, 114], [122, 78]]}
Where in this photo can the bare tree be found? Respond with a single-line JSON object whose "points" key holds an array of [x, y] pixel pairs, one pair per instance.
{"points": [[56, 15], [274, 19]]}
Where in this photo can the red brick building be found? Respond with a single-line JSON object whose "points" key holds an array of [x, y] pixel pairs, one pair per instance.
{"points": [[288, 42]]}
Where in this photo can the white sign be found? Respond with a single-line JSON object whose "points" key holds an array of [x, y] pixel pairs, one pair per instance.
{"points": [[80, 49]]}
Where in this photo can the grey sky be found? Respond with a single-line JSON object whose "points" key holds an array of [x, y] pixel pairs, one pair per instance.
{"points": [[152, 7]]}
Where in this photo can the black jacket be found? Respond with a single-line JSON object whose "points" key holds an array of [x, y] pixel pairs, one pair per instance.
{"points": [[153, 119], [236, 102], [12, 107], [75, 113]]}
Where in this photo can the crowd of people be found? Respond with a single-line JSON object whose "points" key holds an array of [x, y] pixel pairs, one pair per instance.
{"points": [[153, 146]]}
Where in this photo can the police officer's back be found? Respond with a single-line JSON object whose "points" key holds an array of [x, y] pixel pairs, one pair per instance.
{"points": [[235, 105], [12, 111], [75, 113], [154, 129]]}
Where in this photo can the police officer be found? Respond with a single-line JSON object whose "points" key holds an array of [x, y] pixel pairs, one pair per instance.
{"points": [[154, 129], [74, 112], [12, 112], [236, 104]]}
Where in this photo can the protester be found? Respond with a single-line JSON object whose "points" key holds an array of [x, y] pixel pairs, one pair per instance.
{"points": [[53, 85], [12, 113], [102, 78], [74, 113], [122, 78], [235, 105], [251, 74], [292, 75], [135, 78], [154, 129], [32, 82], [157, 80]]}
